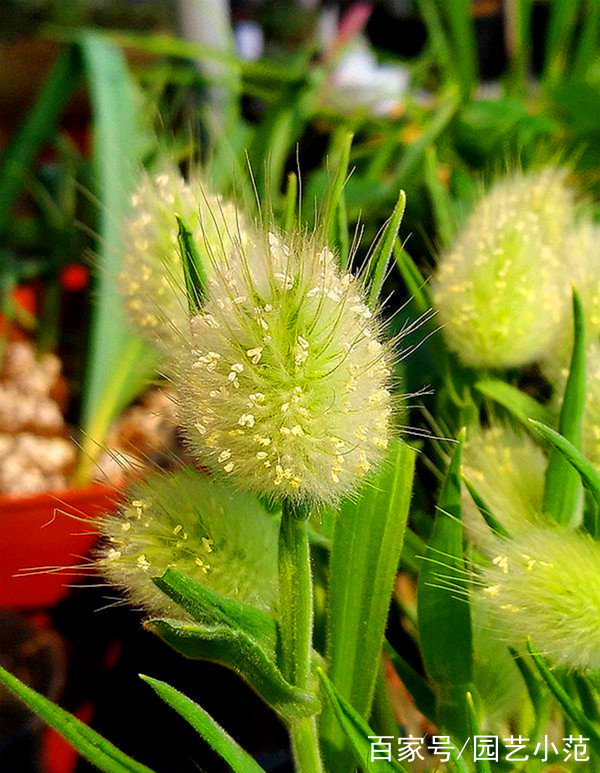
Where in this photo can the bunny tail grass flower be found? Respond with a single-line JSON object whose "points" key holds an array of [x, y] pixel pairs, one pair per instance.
{"points": [[503, 289], [151, 280], [186, 521], [507, 469], [284, 383], [545, 585]]}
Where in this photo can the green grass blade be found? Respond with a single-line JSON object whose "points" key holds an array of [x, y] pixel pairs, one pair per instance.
{"points": [[440, 198], [459, 18], [37, 128], [357, 732], [481, 765], [382, 253], [414, 153], [586, 50], [443, 606], [420, 691], [437, 36], [116, 150], [367, 544], [519, 404], [214, 735], [193, 266], [538, 695], [589, 474], [340, 158], [274, 138], [559, 36], [205, 605], [90, 744], [571, 709], [233, 648], [562, 489], [484, 510], [137, 365], [290, 217], [519, 17]]}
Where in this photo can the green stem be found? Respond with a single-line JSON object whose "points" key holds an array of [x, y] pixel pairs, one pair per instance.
{"points": [[296, 620]]}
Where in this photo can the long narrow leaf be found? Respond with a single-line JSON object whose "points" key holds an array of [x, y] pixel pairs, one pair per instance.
{"points": [[383, 250], [90, 744], [236, 650], [116, 147], [459, 18], [518, 17], [233, 754], [366, 550], [586, 50], [443, 605], [522, 406], [562, 489], [571, 709], [589, 474], [420, 691], [38, 127], [205, 605], [358, 733], [335, 193]]}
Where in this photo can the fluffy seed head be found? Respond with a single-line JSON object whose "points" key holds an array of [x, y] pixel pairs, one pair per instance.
{"points": [[503, 288], [151, 281], [186, 521], [545, 585], [507, 468], [284, 382]]}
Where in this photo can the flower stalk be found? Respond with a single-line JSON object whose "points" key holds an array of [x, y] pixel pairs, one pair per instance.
{"points": [[296, 623]]}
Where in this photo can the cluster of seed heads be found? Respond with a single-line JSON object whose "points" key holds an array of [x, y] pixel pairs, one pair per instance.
{"points": [[188, 522], [284, 383], [503, 289], [151, 280], [544, 585]]}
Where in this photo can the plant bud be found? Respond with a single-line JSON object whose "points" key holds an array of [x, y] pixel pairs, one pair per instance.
{"points": [[284, 381], [502, 291]]}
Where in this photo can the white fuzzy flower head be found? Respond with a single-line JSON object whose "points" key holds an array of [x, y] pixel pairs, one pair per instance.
{"points": [[507, 469], [545, 585], [503, 289], [151, 280], [186, 521], [284, 382]]}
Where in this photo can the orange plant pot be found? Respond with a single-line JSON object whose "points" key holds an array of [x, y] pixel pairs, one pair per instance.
{"points": [[44, 532]]}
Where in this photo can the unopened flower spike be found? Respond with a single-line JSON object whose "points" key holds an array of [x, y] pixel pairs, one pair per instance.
{"points": [[544, 585], [186, 521], [284, 380], [502, 290], [152, 279]]}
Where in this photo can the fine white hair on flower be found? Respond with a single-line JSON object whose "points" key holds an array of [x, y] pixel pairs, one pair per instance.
{"points": [[545, 585], [186, 521], [151, 280], [284, 380], [503, 289]]}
